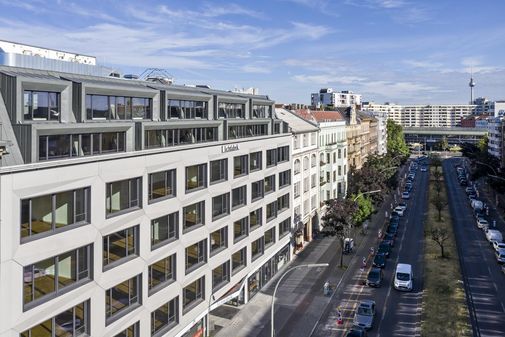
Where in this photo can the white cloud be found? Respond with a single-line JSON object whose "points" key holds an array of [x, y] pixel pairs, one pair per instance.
{"points": [[324, 79], [256, 69]]}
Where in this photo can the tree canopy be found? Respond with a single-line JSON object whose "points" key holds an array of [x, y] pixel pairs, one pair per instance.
{"points": [[396, 142]]}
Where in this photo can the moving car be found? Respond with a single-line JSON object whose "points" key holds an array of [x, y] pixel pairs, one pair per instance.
{"points": [[405, 195], [379, 260], [423, 169], [374, 278], [365, 313], [403, 278]]}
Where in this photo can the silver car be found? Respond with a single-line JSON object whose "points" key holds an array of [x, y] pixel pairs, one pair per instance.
{"points": [[365, 314]]}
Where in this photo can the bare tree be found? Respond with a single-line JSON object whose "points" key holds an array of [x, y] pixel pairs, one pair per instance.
{"points": [[440, 236], [440, 203]]}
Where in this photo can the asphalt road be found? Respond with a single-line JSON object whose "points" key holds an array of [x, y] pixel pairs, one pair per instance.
{"points": [[483, 280], [398, 313]]}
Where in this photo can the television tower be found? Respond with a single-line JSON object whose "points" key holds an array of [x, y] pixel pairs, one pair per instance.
{"points": [[471, 85]]}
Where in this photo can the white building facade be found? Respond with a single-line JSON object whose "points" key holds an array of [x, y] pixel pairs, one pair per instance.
{"points": [[445, 115], [130, 208], [327, 96], [495, 134], [306, 180]]}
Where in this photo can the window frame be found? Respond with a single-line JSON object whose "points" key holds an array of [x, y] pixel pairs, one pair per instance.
{"points": [[244, 229], [199, 295], [223, 235], [202, 256], [241, 200], [199, 214], [135, 233], [108, 197], [171, 217], [243, 258], [259, 156], [201, 176], [225, 279], [172, 321], [244, 164], [225, 202], [169, 278], [134, 301], [223, 167], [170, 179]]}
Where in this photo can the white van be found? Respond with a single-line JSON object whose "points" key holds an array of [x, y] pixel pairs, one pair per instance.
{"points": [[403, 277]]}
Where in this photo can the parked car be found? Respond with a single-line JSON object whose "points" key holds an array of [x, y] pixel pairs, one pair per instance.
{"points": [[482, 223], [356, 331], [403, 205], [498, 245], [405, 195], [384, 248], [399, 210], [392, 229], [494, 235], [379, 260], [374, 278], [500, 255], [365, 313], [389, 237]]}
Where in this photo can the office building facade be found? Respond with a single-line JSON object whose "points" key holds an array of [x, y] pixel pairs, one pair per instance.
{"points": [[131, 208]]}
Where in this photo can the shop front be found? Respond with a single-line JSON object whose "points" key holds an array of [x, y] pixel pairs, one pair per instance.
{"points": [[268, 270], [196, 330]]}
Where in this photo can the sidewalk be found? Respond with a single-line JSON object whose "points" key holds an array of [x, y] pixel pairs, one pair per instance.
{"points": [[300, 302]]}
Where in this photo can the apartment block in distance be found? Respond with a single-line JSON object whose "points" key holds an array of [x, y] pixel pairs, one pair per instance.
{"points": [[131, 208]]}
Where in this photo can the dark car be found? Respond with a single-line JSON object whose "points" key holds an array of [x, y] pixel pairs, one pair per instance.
{"points": [[374, 278], [390, 237], [379, 260], [356, 331], [395, 221], [384, 248], [392, 229]]}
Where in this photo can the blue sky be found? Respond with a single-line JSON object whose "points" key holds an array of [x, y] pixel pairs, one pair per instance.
{"points": [[404, 51]]}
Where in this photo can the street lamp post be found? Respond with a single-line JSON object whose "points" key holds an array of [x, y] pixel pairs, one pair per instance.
{"points": [[312, 265], [363, 193], [211, 298]]}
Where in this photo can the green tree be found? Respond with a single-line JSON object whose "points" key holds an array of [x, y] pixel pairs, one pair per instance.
{"points": [[365, 209], [396, 142], [443, 143], [339, 219], [483, 143]]}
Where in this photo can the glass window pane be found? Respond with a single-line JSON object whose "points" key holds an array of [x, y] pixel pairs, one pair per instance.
{"points": [[42, 216], [27, 96], [109, 142], [64, 324], [100, 106], [116, 247], [64, 210], [120, 108], [44, 278], [81, 205], [43, 148], [54, 109], [58, 146], [41, 330], [40, 105], [67, 269]]}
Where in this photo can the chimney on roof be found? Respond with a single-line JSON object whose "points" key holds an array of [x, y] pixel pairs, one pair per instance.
{"points": [[352, 117]]}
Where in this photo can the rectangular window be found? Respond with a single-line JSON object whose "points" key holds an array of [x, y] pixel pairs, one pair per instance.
{"points": [[257, 190], [283, 203], [297, 189], [193, 294], [313, 203], [271, 157], [187, 109], [284, 178], [101, 107], [283, 154], [269, 237], [165, 318], [220, 276], [218, 240], [123, 298], [162, 273], [131, 331], [261, 111], [196, 255], [339, 170], [54, 276], [120, 246], [269, 184], [240, 165], [194, 216], [72, 322], [271, 211], [164, 229], [231, 110], [257, 248], [255, 161], [220, 206], [313, 181], [284, 227], [162, 185], [196, 177], [306, 184], [239, 260], [240, 229], [239, 197], [123, 195], [218, 170], [339, 153], [255, 219], [42, 105], [53, 213], [172, 137], [245, 131]]}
